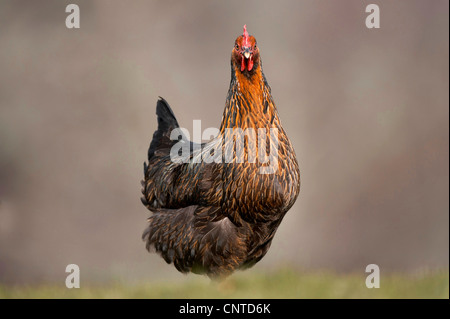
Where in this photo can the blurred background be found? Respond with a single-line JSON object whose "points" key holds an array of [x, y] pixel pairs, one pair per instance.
{"points": [[366, 109]]}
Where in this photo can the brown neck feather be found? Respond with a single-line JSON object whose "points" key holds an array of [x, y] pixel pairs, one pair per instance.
{"points": [[249, 102]]}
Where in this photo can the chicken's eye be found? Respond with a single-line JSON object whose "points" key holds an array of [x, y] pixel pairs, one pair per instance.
{"points": [[254, 47], [236, 46]]}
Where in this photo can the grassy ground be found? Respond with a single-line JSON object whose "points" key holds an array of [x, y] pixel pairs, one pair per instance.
{"points": [[281, 284]]}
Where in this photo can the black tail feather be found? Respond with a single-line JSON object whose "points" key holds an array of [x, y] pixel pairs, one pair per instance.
{"points": [[166, 123]]}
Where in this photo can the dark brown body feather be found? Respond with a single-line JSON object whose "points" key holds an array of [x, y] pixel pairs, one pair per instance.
{"points": [[214, 218]]}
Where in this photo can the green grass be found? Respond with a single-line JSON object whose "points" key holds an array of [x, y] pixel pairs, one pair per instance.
{"points": [[284, 283]]}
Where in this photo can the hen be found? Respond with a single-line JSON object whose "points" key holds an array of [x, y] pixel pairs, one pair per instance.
{"points": [[216, 209]]}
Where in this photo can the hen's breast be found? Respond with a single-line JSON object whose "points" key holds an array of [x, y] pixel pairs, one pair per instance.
{"points": [[263, 191]]}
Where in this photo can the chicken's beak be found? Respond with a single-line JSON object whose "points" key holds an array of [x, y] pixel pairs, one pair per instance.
{"points": [[247, 52], [247, 56]]}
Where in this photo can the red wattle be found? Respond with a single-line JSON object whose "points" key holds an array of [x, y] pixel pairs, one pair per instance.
{"points": [[242, 64], [250, 64]]}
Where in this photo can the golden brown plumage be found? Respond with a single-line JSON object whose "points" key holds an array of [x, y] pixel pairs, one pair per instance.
{"points": [[217, 217]]}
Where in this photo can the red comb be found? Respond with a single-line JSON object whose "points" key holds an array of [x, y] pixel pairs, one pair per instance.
{"points": [[246, 36]]}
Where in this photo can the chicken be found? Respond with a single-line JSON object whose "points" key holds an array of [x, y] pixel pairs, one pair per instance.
{"points": [[219, 215]]}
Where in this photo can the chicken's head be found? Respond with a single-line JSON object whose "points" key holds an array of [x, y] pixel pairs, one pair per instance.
{"points": [[245, 53]]}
